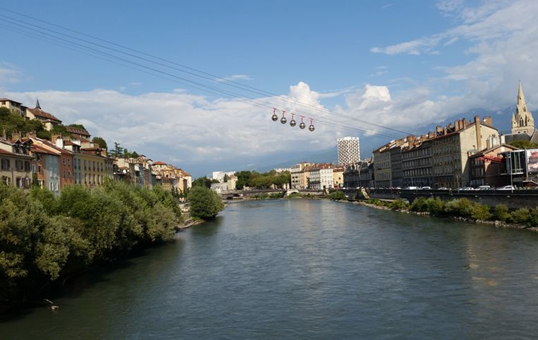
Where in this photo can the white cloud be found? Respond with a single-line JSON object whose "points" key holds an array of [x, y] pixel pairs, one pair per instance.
{"points": [[9, 74], [503, 50], [187, 127]]}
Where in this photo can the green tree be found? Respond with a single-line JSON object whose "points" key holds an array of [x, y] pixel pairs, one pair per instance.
{"points": [[337, 195], [524, 144], [99, 141], [204, 203]]}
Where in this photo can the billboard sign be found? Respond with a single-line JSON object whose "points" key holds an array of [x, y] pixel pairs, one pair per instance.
{"points": [[532, 160]]}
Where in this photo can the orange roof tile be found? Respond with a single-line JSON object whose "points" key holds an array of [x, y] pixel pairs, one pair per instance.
{"points": [[40, 113]]}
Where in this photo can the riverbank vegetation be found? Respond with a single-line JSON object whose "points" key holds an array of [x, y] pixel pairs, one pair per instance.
{"points": [[266, 180], [463, 208], [45, 239], [204, 203]]}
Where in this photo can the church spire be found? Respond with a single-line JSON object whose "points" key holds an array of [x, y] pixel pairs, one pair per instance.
{"points": [[37, 106], [521, 97], [522, 120]]}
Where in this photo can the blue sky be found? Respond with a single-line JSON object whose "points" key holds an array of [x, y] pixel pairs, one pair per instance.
{"points": [[400, 64]]}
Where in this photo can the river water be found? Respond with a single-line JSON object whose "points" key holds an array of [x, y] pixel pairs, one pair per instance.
{"points": [[307, 269]]}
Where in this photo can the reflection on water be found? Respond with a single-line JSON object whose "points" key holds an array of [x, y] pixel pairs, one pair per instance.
{"points": [[308, 269]]}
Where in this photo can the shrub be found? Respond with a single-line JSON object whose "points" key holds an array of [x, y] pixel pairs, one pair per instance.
{"points": [[533, 220], [501, 213], [521, 215], [419, 205], [399, 204], [435, 206], [480, 212], [337, 195]]}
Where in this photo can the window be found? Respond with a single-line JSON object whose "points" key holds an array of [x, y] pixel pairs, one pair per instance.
{"points": [[27, 166], [19, 182], [69, 162], [84, 164], [5, 164], [64, 174], [63, 161], [39, 170], [19, 165]]}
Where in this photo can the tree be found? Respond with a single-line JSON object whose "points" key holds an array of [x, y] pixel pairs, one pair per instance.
{"points": [[524, 144], [204, 182], [99, 141], [204, 203]]}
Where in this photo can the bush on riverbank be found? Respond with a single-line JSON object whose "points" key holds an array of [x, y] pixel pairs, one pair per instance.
{"points": [[44, 238], [337, 195], [465, 209], [204, 203]]}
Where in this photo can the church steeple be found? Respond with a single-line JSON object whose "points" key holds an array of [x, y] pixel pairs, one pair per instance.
{"points": [[522, 120], [37, 106]]}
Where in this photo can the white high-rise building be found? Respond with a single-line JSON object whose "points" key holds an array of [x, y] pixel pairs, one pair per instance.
{"points": [[348, 150]]}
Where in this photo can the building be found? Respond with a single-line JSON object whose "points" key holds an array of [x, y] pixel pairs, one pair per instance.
{"points": [[78, 132], [487, 167], [338, 177], [382, 167], [417, 162], [298, 176], [348, 150], [47, 165], [48, 120], [396, 163], [523, 127], [320, 176], [15, 163], [13, 106], [219, 175], [452, 146]]}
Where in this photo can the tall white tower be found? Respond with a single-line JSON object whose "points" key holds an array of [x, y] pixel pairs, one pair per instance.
{"points": [[522, 120], [348, 150]]}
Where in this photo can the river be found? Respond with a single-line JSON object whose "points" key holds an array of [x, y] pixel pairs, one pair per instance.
{"points": [[307, 269]]}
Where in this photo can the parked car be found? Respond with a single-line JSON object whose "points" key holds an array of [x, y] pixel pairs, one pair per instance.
{"points": [[411, 188], [507, 187], [466, 189], [442, 188], [426, 188], [484, 187]]}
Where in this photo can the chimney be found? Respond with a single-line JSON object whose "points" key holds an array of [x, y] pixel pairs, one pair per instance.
{"points": [[431, 135], [59, 141], [439, 129], [478, 133], [411, 140], [488, 121]]}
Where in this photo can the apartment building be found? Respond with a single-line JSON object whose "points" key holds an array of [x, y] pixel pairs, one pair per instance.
{"points": [[15, 163], [298, 176]]}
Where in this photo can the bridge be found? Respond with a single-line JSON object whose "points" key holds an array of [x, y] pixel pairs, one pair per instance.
{"points": [[241, 194]]}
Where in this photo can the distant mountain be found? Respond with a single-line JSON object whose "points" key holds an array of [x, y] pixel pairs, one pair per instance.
{"points": [[501, 120]]}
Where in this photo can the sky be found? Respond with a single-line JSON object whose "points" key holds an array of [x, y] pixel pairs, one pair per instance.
{"points": [[194, 83]]}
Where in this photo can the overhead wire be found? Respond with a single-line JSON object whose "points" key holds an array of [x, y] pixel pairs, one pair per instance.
{"points": [[162, 74], [94, 52], [195, 72]]}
